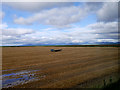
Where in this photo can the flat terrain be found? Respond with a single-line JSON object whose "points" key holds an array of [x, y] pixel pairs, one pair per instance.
{"points": [[37, 67]]}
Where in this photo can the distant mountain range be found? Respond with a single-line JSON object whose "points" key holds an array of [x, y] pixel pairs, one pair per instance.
{"points": [[85, 43]]}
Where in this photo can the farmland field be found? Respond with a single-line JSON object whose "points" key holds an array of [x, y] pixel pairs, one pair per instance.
{"points": [[37, 67]]}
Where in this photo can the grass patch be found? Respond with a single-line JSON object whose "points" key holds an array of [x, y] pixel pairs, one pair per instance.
{"points": [[113, 86]]}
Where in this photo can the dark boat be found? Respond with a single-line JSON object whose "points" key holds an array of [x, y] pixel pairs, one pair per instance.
{"points": [[55, 50]]}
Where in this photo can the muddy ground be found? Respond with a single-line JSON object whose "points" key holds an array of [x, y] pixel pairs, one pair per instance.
{"points": [[37, 67]]}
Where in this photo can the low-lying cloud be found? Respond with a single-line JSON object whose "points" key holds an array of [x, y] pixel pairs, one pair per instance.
{"points": [[91, 34]]}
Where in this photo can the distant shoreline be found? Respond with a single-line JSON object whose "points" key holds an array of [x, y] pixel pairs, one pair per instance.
{"points": [[114, 45]]}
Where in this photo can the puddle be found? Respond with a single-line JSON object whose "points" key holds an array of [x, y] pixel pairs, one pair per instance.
{"points": [[22, 77], [19, 73]]}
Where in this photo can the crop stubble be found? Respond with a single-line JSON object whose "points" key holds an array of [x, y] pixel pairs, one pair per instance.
{"points": [[67, 68]]}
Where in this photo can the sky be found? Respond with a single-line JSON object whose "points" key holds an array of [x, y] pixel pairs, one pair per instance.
{"points": [[58, 23]]}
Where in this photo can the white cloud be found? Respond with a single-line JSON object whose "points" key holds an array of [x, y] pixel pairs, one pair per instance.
{"points": [[2, 14], [12, 36], [3, 25], [93, 6], [16, 31], [91, 34], [107, 40], [108, 12], [58, 17], [29, 37], [102, 27], [105, 31], [65, 16], [36, 6], [61, 16], [105, 11]]}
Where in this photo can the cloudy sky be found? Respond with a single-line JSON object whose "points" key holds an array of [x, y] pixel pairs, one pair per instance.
{"points": [[59, 23]]}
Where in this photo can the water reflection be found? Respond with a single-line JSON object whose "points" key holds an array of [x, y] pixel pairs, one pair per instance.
{"points": [[22, 77]]}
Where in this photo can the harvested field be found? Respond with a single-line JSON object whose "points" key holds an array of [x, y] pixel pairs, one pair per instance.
{"points": [[37, 67]]}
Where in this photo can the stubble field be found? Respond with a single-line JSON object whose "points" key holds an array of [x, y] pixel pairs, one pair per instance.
{"points": [[37, 67]]}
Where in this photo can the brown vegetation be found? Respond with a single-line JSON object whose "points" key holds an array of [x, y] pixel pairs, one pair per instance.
{"points": [[64, 69]]}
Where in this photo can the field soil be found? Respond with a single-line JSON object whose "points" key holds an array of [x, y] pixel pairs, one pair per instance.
{"points": [[38, 67]]}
